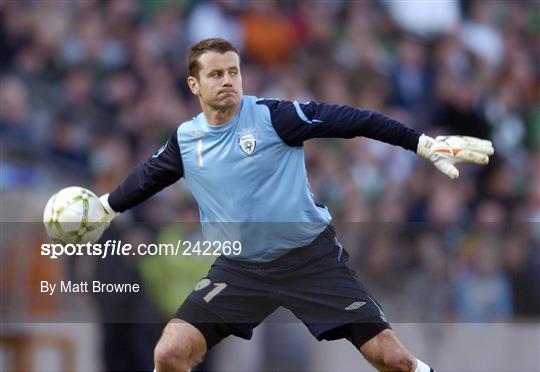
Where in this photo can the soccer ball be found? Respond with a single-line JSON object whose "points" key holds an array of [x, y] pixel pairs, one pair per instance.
{"points": [[74, 215]]}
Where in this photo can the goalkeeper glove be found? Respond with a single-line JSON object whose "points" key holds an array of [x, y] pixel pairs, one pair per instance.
{"points": [[110, 213], [445, 151]]}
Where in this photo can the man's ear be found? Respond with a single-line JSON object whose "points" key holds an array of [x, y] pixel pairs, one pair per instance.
{"points": [[193, 85]]}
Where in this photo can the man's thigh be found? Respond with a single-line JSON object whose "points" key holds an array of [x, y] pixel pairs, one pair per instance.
{"points": [[327, 296], [227, 302], [334, 311]]}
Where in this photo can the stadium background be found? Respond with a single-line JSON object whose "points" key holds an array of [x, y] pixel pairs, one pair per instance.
{"points": [[90, 88]]}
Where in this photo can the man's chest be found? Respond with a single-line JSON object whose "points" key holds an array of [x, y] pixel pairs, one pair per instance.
{"points": [[232, 157]]}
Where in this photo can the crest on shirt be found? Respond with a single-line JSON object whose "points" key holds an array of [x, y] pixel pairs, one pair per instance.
{"points": [[247, 143]]}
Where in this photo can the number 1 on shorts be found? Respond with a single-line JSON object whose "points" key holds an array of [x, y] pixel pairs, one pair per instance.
{"points": [[210, 295]]}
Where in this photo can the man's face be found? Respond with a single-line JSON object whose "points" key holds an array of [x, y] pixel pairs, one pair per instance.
{"points": [[220, 83]]}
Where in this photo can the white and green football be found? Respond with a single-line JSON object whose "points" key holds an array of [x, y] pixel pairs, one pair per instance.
{"points": [[74, 215]]}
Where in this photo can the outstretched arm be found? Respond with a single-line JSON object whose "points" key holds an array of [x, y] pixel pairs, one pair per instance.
{"points": [[296, 122], [149, 177]]}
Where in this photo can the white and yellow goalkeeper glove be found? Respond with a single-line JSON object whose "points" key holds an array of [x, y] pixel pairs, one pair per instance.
{"points": [[110, 213], [446, 151]]}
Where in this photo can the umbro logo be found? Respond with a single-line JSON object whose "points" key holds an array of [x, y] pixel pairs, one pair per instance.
{"points": [[355, 305]]}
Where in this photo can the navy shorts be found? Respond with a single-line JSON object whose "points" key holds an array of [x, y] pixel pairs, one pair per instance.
{"points": [[312, 281]]}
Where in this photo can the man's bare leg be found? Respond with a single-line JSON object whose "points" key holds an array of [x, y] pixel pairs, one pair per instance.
{"points": [[180, 347], [386, 353]]}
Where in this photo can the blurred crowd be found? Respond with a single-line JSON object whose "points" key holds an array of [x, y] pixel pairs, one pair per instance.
{"points": [[91, 87]]}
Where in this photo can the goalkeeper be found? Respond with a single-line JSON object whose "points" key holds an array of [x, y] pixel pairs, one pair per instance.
{"points": [[243, 160]]}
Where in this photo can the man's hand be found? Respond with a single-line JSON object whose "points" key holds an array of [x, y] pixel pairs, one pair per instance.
{"points": [[445, 151], [110, 214]]}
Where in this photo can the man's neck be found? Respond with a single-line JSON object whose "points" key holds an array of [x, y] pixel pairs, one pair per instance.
{"points": [[219, 116]]}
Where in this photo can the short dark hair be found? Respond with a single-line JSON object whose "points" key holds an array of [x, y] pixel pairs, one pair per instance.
{"points": [[196, 50]]}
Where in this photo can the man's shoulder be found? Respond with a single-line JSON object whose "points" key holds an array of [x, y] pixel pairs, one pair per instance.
{"points": [[255, 112], [254, 100], [280, 111], [189, 125], [265, 105]]}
